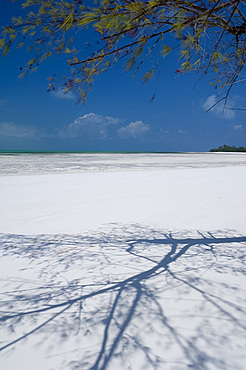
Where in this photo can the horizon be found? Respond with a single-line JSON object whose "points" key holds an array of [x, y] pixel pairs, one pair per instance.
{"points": [[96, 152]]}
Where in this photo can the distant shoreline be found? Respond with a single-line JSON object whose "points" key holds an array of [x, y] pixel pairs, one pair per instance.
{"points": [[85, 152], [34, 152]]}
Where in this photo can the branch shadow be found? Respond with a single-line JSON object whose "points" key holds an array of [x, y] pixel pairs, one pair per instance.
{"points": [[125, 297]]}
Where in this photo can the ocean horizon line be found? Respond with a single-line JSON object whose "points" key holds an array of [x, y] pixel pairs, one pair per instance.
{"points": [[2, 151]]}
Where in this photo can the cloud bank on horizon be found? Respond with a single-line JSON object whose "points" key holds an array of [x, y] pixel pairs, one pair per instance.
{"points": [[134, 130], [98, 127], [91, 129], [11, 130], [90, 126]]}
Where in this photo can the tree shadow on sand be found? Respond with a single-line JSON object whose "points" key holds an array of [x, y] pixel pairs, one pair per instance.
{"points": [[125, 297]]}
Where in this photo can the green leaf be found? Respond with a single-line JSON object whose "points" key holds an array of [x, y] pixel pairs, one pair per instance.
{"points": [[2, 43], [165, 50], [22, 75], [148, 75], [130, 63]]}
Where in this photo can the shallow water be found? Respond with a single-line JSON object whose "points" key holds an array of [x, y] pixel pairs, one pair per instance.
{"points": [[48, 163]]}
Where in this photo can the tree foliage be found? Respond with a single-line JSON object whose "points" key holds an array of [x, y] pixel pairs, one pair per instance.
{"points": [[210, 36], [227, 148]]}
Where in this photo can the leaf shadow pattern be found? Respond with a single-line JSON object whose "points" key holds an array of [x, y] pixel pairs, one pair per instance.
{"points": [[124, 297]]}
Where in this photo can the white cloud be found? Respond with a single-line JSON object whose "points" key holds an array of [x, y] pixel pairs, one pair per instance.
{"points": [[62, 95], [219, 109], [134, 129], [182, 132], [11, 130], [93, 126], [238, 127]]}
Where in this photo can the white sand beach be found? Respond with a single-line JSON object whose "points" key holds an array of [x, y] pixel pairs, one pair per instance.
{"points": [[116, 262]]}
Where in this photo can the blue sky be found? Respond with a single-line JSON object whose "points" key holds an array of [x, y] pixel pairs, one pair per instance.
{"points": [[118, 114]]}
